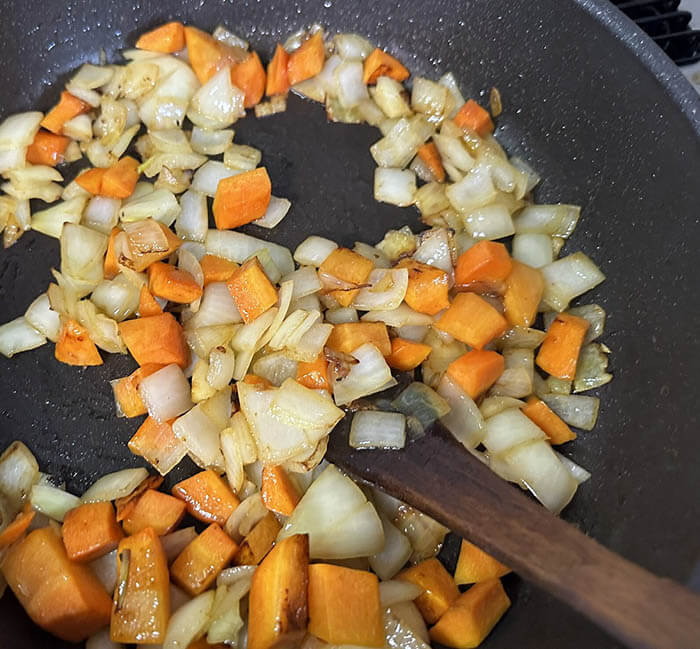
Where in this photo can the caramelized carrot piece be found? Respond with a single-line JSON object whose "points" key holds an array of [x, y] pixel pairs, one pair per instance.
{"points": [[126, 504], [90, 531], [278, 595], [484, 266], [314, 375], [278, 492], [472, 320], [474, 565], [156, 442], [207, 55], [63, 597], [344, 606], [430, 156], [428, 287], [74, 346], [406, 355], [560, 349], [216, 269], [348, 336], [66, 109], [147, 303], [157, 510], [172, 284], [524, 288], [242, 198], [207, 496], [47, 149], [126, 390], [166, 39], [249, 76], [254, 379], [155, 339], [197, 566], [91, 180], [251, 290], [307, 61], [259, 541], [439, 589], [142, 599], [470, 619], [277, 77], [475, 118], [17, 527], [347, 266], [120, 179], [476, 371], [111, 266], [552, 424], [380, 64]]}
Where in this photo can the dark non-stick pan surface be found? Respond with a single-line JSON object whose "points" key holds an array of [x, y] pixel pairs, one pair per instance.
{"points": [[591, 103]]}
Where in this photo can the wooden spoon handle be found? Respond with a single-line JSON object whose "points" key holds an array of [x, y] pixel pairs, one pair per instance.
{"points": [[436, 475]]}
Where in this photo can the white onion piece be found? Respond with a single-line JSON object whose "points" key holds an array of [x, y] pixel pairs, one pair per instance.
{"points": [[341, 315], [400, 144], [50, 221], [313, 251], [325, 84], [532, 178], [221, 365], [430, 98], [509, 428], [283, 302], [251, 509], [42, 318], [242, 157], [166, 393], [521, 337], [402, 316], [275, 212], [464, 421], [311, 344], [392, 592], [425, 534], [448, 80], [189, 622], [230, 576], [453, 151], [114, 485], [423, 173], [489, 222], [368, 110], [216, 308], [102, 213], [105, 569], [568, 278], [18, 472], [80, 247], [305, 280], [431, 199], [206, 179], [387, 290], [218, 407], [416, 333], [394, 554], [376, 256], [307, 303], [203, 339], [395, 186], [160, 205], [118, 297], [200, 434], [351, 88], [400, 633], [533, 249], [19, 336], [218, 103], [369, 375], [491, 406], [577, 472], [376, 429], [555, 220], [391, 97], [226, 621], [12, 159], [435, 249], [246, 341], [352, 46], [474, 190], [339, 520], [576, 410], [238, 247], [233, 463], [276, 367], [225, 36], [207, 142], [165, 106], [101, 640], [18, 131], [175, 542], [514, 382], [311, 88]]}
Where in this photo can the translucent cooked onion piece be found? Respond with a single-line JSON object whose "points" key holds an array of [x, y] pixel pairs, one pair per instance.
{"points": [[216, 308], [18, 472], [192, 221], [422, 403], [509, 428], [391, 97], [395, 186], [400, 144], [207, 178], [401, 316], [533, 249], [276, 211], [114, 485], [200, 435], [554, 220], [50, 221], [576, 410], [369, 375], [218, 103], [166, 393], [175, 542], [44, 319], [568, 278], [239, 247], [189, 622], [19, 336], [313, 251], [393, 592], [591, 368], [52, 502], [376, 429], [386, 290], [394, 554], [464, 420]]}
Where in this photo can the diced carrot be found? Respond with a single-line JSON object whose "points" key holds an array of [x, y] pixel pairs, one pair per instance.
{"points": [[207, 55], [406, 355], [142, 599], [278, 492], [428, 287], [63, 597], [90, 531], [126, 390], [155, 339], [249, 76], [552, 424], [47, 149], [157, 510], [167, 39], [141, 260], [472, 320], [147, 303], [251, 290], [66, 109], [242, 198], [470, 619], [216, 269], [197, 566], [561, 346], [344, 607], [207, 496], [348, 336], [278, 596], [430, 156], [380, 64], [111, 266], [120, 179], [156, 442], [484, 267], [172, 284], [476, 371], [91, 180], [17, 527], [475, 565], [524, 288], [347, 266], [439, 589], [258, 542], [126, 504], [74, 346], [475, 118], [254, 379], [307, 61], [314, 375], [277, 77]]}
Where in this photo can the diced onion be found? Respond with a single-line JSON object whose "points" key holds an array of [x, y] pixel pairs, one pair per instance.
{"points": [[221, 366], [175, 542], [392, 592], [448, 80], [42, 318], [514, 382], [401, 316], [352, 46], [160, 205], [555, 220], [386, 291], [276, 211], [305, 280], [533, 249], [105, 569], [369, 375], [400, 144], [576, 410], [422, 403], [102, 213], [200, 434], [394, 554], [435, 249], [50, 221], [341, 315], [475, 190], [351, 87], [509, 428], [391, 97], [276, 367], [241, 157], [593, 313], [568, 278], [189, 622], [18, 131], [238, 247], [521, 337], [375, 429], [216, 308], [577, 472], [114, 485], [19, 336], [218, 103], [394, 186], [425, 534], [464, 420], [491, 406], [206, 179], [251, 509], [230, 576], [489, 222], [431, 199], [118, 297], [166, 393], [52, 502], [313, 251], [18, 472], [208, 142], [591, 368]]}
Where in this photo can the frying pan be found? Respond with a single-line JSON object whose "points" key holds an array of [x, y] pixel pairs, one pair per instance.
{"points": [[589, 101]]}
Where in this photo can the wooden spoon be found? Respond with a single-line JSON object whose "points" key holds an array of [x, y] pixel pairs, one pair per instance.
{"points": [[439, 477]]}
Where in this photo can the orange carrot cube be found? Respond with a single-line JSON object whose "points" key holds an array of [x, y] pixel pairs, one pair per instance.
{"points": [[251, 290], [216, 269], [111, 266], [406, 355], [172, 284], [560, 349], [258, 542], [207, 55], [166, 39], [306, 61], [472, 320], [147, 303], [476, 371], [523, 294], [17, 527], [430, 156], [314, 375], [126, 390], [428, 287], [91, 180], [483, 266], [65, 110], [157, 510], [90, 531], [348, 336], [242, 198], [475, 565], [155, 339], [249, 76], [74, 346], [278, 492], [156, 442], [277, 77], [380, 64], [47, 149], [552, 424], [475, 118], [349, 267], [120, 179], [207, 497], [439, 589]]}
